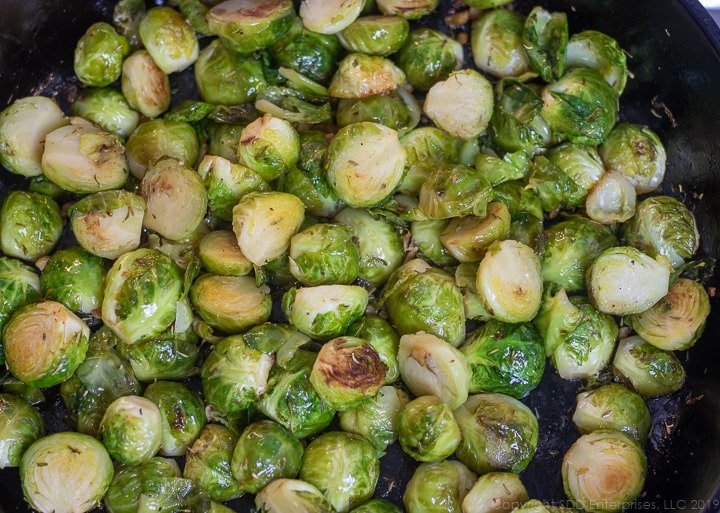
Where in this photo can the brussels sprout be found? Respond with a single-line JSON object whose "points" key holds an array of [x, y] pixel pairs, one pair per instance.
{"points": [[377, 506], [129, 482], [467, 238], [663, 225], [276, 338], [553, 186], [579, 340], [465, 274], [264, 223], [234, 375], [509, 281], [397, 109], [219, 254], [375, 35], [23, 127], [615, 407], [623, 280], [506, 358], [99, 54], [516, 123], [438, 487], [675, 322], [329, 17], [582, 164], [545, 39], [429, 56], [426, 237], [175, 199], [343, 466], [603, 471], [265, 451], [131, 429], [308, 180], [454, 190], [232, 304], [650, 371], [497, 170], [495, 492], [109, 223], [347, 371], [612, 200], [65, 472], [365, 163], [377, 418], [469, 118], [20, 425], [225, 77], [499, 433], [580, 106], [207, 462], [598, 51], [75, 278], [172, 355], [496, 43], [291, 400], [160, 138], [324, 254], [222, 139], [142, 289], [269, 146], [30, 225], [638, 153], [107, 108], [183, 415], [19, 286], [145, 86], [169, 39], [44, 343], [380, 245], [427, 429], [420, 297], [283, 494], [380, 334], [246, 26], [426, 147], [570, 247], [308, 52], [359, 75], [408, 9], [431, 366]]}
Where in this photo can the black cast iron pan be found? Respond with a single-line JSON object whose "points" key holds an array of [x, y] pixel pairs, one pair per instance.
{"points": [[674, 55]]}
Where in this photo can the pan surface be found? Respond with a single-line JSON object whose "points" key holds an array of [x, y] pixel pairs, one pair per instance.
{"points": [[673, 51]]}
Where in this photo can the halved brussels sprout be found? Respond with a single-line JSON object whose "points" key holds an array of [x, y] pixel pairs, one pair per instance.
{"points": [[454, 190], [467, 238], [431, 366], [426, 237], [131, 429], [269, 146], [570, 101], [675, 322], [603, 471], [426, 147], [360, 75], [408, 9], [438, 487], [429, 56], [226, 77], [365, 163], [264, 223], [553, 186], [615, 407], [329, 17], [612, 199], [496, 43], [20, 425], [234, 375], [509, 281], [579, 162], [375, 35], [207, 462], [420, 297], [545, 39], [495, 492], [324, 254], [638, 153], [65, 472], [325, 311], [397, 109], [623, 280], [499, 433], [650, 371], [232, 304], [663, 225], [598, 51], [169, 39], [427, 429], [283, 494], [31, 225], [75, 278], [469, 118], [145, 86], [246, 26], [44, 343], [506, 358], [109, 223], [130, 482], [108, 108], [346, 372], [23, 127], [219, 253], [383, 337], [19, 286], [142, 290], [343, 466], [99, 54]]}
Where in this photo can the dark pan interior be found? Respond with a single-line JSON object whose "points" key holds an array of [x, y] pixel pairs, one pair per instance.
{"points": [[673, 48]]}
